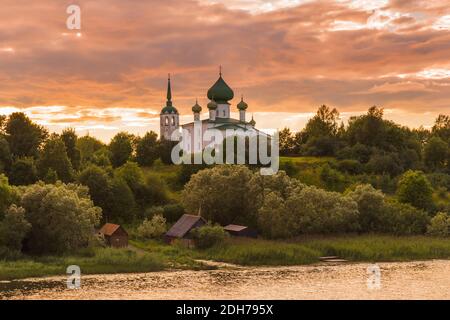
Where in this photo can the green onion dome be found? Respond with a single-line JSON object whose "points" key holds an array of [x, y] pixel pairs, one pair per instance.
{"points": [[169, 109], [221, 92], [212, 105], [252, 122], [242, 105], [196, 108]]}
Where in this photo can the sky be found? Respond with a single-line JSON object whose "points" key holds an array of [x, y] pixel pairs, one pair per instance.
{"points": [[287, 57]]}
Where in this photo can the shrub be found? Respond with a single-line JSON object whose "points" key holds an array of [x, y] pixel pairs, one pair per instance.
{"points": [[14, 228], [173, 212], [415, 189], [153, 228], [350, 166], [62, 217], [439, 225], [404, 219], [370, 206], [208, 236]]}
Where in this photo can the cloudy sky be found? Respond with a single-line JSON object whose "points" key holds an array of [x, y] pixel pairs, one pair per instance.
{"points": [[285, 56]]}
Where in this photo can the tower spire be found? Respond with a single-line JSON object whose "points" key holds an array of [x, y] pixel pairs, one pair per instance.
{"points": [[169, 92], [220, 70]]}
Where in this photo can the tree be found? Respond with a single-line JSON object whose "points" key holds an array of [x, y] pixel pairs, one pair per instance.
{"points": [[62, 217], [121, 147], [287, 142], [439, 225], [166, 147], [14, 228], [223, 194], [7, 194], [69, 137], [404, 219], [88, 146], [371, 207], [98, 183], [209, 235], [24, 136], [436, 153], [441, 127], [415, 189], [54, 156], [152, 228], [5, 155], [147, 149], [122, 206], [23, 172]]}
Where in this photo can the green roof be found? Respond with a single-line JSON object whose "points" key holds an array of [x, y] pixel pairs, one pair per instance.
{"points": [[169, 108], [196, 108], [220, 91], [242, 105]]}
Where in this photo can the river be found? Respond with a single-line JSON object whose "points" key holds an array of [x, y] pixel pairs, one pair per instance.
{"points": [[399, 280]]}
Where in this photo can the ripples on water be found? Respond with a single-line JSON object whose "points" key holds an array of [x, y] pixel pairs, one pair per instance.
{"points": [[409, 280]]}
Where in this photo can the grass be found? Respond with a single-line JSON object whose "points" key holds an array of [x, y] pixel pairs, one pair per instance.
{"points": [[103, 260], [156, 256]]}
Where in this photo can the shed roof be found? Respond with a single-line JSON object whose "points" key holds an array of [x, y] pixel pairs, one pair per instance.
{"points": [[234, 227], [109, 228], [184, 225]]}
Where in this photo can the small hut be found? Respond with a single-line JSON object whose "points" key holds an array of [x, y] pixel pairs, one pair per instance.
{"points": [[240, 231], [115, 236], [182, 228]]}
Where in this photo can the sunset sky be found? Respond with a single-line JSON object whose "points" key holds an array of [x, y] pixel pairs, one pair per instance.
{"points": [[286, 57]]}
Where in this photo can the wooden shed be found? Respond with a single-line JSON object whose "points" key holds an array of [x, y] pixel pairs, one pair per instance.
{"points": [[115, 235], [181, 229], [240, 231]]}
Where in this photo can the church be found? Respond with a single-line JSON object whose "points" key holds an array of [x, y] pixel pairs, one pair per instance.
{"points": [[218, 120]]}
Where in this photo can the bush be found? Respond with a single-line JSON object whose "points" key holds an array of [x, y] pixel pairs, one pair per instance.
{"points": [[404, 219], [350, 166], [153, 228], [415, 189], [439, 225], [173, 212], [370, 206], [307, 210], [13, 228], [208, 236], [62, 217]]}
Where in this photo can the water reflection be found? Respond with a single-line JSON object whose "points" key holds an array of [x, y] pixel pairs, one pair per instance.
{"points": [[411, 280]]}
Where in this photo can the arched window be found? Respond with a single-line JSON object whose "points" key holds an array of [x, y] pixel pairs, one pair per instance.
{"points": [[224, 113], [167, 121], [173, 121]]}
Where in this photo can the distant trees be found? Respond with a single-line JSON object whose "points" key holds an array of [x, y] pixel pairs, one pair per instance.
{"points": [[436, 154], [121, 148], [70, 139], [147, 149], [24, 136], [23, 172], [53, 157]]}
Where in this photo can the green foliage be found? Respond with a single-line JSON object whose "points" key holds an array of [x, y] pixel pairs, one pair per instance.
{"points": [[88, 146], [97, 180], [122, 206], [121, 148], [7, 194], [62, 217], [371, 207], [5, 155], [224, 194], [24, 136], [208, 236], [54, 156], [439, 225], [147, 149], [307, 210], [51, 176], [404, 219], [69, 137], [415, 189], [165, 150], [152, 228], [350, 166], [23, 172], [13, 228], [436, 153]]}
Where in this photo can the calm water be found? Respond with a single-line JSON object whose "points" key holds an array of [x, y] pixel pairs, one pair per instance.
{"points": [[410, 280]]}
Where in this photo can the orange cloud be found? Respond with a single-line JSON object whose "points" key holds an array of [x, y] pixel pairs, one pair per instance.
{"points": [[282, 58]]}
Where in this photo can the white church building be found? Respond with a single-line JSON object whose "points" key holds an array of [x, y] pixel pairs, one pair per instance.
{"points": [[198, 134]]}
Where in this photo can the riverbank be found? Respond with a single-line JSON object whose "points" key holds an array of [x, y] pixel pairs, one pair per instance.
{"points": [[153, 255]]}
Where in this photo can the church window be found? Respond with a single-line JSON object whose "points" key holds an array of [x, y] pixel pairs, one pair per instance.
{"points": [[224, 113], [167, 121], [173, 121]]}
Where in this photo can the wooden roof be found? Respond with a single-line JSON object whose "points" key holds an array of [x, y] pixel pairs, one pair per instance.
{"points": [[184, 225], [234, 227], [109, 228]]}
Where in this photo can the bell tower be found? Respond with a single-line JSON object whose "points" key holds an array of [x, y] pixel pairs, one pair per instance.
{"points": [[169, 117]]}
